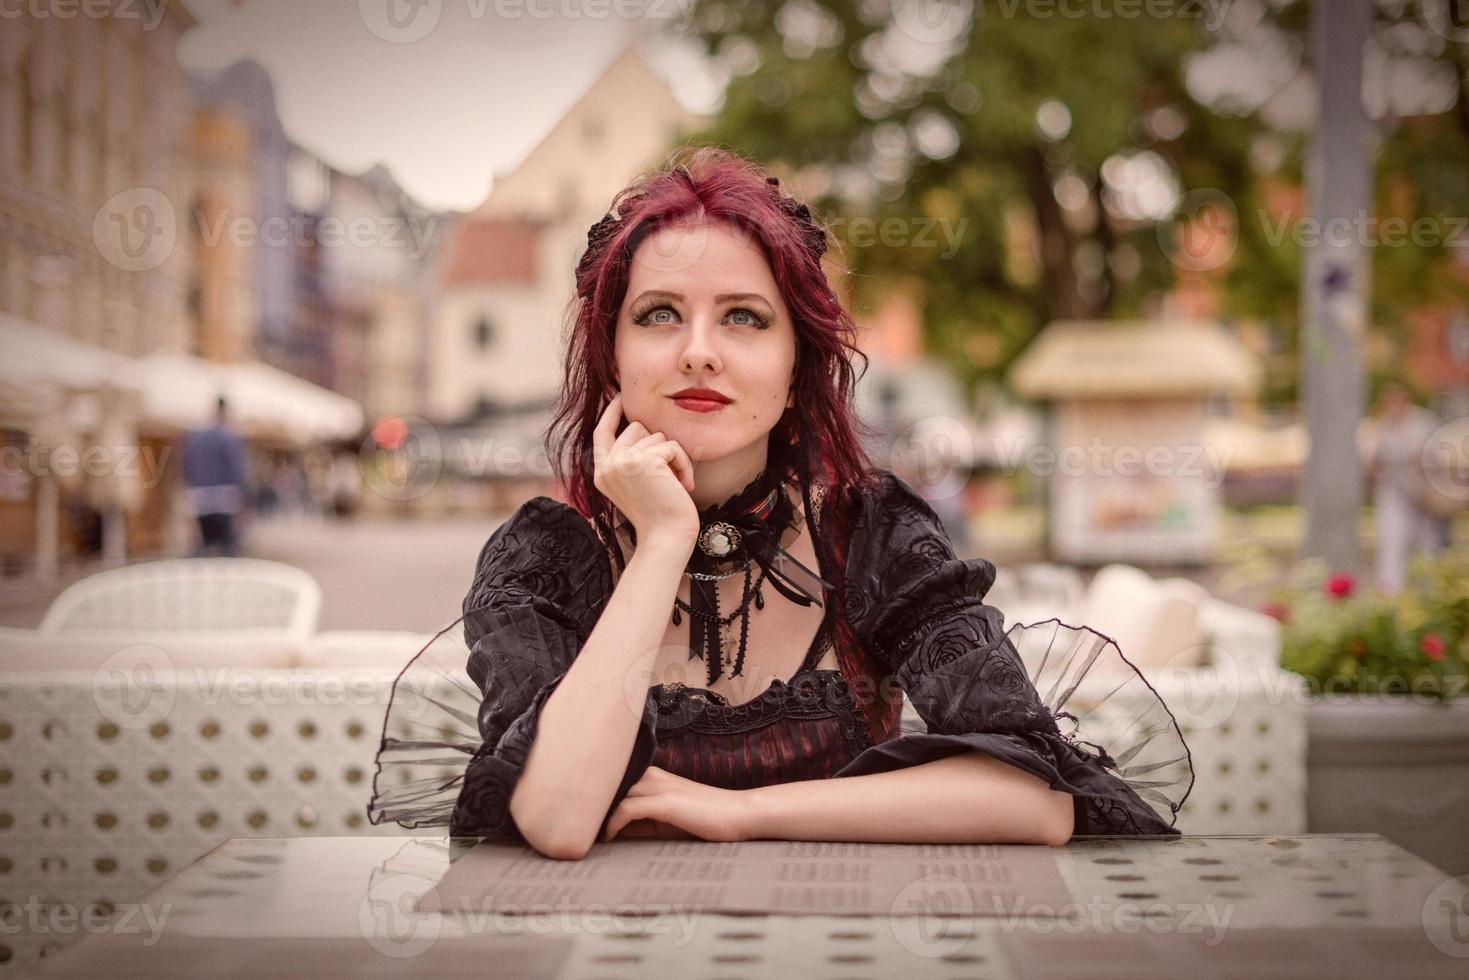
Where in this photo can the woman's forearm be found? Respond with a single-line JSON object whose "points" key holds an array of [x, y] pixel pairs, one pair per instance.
{"points": [[589, 723], [970, 798]]}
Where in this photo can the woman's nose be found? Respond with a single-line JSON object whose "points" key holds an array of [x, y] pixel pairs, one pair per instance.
{"points": [[699, 350]]}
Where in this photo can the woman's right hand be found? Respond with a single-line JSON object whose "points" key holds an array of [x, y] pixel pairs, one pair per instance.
{"points": [[646, 476]]}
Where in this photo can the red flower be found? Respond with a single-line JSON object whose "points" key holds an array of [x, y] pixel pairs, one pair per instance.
{"points": [[1340, 585], [1276, 610], [1433, 646]]}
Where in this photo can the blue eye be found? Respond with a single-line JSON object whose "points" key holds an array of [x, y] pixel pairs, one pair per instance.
{"points": [[646, 314], [755, 319]]}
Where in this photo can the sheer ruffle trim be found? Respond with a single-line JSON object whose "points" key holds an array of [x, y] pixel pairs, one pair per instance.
{"points": [[1058, 701], [452, 750], [429, 735]]}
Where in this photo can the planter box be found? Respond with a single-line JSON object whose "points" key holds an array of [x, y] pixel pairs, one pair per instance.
{"points": [[1393, 766]]}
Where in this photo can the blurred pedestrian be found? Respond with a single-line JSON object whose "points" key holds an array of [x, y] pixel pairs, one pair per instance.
{"points": [[346, 484], [1405, 526], [214, 469]]}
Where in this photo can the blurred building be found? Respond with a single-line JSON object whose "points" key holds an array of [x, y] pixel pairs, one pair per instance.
{"points": [[377, 252], [509, 274], [243, 154], [324, 274], [94, 132]]}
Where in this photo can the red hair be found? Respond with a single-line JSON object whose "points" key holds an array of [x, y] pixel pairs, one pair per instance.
{"points": [[820, 435]]}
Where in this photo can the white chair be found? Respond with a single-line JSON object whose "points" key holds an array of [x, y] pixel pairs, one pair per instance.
{"points": [[1155, 624], [198, 595]]}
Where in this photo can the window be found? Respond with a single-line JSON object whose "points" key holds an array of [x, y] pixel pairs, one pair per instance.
{"points": [[483, 335]]}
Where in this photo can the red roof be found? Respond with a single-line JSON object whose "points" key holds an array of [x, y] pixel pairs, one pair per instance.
{"points": [[494, 250]]}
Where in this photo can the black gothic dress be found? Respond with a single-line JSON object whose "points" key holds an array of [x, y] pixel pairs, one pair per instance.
{"points": [[1058, 701]]}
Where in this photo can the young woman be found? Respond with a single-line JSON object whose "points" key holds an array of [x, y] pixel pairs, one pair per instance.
{"points": [[713, 638]]}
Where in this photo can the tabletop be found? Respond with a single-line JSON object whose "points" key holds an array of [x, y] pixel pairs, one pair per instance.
{"points": [[1308, 905]]}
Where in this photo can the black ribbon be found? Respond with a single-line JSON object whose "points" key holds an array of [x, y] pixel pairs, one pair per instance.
{"points": [[759, 515]]}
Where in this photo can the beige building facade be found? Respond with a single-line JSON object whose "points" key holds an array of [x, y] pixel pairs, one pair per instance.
{"points": [[497, 325]]}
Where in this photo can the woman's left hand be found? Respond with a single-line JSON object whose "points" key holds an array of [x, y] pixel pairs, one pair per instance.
{"points": [[664, 805]]}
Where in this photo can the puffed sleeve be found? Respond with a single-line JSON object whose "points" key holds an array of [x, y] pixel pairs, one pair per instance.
{"points": [[540, 584], [919, 610]]}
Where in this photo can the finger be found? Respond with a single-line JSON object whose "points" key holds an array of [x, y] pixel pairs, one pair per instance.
{"points": [[683, 466], [627, 811], [614, 825], [649, 440], [678, 461], [630, 436]]}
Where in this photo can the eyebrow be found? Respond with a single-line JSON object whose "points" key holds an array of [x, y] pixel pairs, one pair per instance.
{"points": [[721, 298]]}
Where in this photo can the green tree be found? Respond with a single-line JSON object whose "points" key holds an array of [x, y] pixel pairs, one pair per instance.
{"points": [[1084, 140], [992, 121]]}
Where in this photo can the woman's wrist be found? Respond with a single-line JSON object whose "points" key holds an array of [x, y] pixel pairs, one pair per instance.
{"points": [[667, 546]]}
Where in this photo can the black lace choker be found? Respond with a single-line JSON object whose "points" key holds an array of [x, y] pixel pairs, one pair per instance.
{"points": [[747, 527]]}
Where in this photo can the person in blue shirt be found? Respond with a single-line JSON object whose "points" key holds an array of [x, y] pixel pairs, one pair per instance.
{"points": [[214, 470]]}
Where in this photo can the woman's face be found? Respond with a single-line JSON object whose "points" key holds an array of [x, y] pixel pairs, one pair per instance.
{"points": [[702, 311]]}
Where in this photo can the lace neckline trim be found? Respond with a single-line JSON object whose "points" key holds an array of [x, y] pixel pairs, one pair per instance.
{"points": [[820, 643]]}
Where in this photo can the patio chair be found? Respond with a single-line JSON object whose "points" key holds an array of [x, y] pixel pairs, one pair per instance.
{"points": [[197, 595]]}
